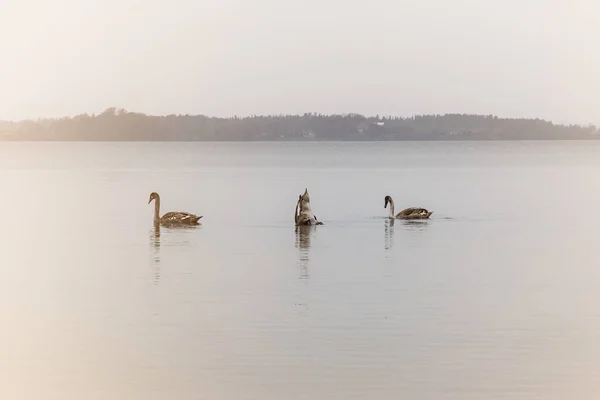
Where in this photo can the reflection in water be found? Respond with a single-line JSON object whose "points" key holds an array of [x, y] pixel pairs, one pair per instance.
{"points": [[408, 225], [155, 242], [416, 224], [389, 233], [303, 236], [176, 236]]}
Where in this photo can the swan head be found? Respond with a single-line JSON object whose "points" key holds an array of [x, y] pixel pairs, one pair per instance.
{"points": [[153, 196], [387, 199]]}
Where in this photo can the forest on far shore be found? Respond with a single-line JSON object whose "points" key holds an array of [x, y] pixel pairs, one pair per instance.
{"points": [[116, 124]]}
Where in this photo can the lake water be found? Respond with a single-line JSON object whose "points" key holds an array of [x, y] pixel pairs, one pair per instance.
{"points": [[496, 297]]}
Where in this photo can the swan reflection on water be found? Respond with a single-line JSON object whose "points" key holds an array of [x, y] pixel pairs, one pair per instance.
{"points": [[303, 238], [155, 244], [389, 233], [416, 225], [176, 236], [408, 225]]}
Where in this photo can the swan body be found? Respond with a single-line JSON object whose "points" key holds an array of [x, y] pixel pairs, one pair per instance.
{"points": [[407, 213], [303, 215], [173, 218]]}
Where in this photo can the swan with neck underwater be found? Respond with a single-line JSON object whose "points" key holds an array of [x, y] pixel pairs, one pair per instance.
{"points": [[303, 216], [173, 218], [407, 213]]}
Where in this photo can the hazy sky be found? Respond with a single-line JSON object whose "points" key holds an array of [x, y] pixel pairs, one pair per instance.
{"points": [[527, 58]]}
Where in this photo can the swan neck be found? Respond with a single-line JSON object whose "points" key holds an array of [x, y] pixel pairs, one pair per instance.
{"points": [[392, 208], [157, 209], [297, 212]]}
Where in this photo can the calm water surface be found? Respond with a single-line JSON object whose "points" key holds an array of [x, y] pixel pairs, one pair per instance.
{"points": [[496, 297]]}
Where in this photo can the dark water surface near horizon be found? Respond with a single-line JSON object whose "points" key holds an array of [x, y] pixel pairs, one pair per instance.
{"points": [[496, 297]]}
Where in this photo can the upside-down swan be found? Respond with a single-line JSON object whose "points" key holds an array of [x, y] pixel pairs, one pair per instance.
{"points": [[303, 214]]}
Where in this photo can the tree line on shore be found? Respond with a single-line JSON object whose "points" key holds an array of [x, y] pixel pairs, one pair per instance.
{"points": [[120, 125]]}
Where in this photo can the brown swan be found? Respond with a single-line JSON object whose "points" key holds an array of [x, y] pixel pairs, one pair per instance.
{"points": [[174, 218], [408, 213]]}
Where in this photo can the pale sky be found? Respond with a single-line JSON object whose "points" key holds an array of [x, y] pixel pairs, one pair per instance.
{"points": [[527, 58]]}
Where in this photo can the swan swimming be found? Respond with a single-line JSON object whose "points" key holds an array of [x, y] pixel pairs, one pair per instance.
{"points": [[408, 213]]}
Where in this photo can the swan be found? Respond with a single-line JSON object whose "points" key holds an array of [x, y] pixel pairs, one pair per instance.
{"points": [[172, 218], [408, 213], [303, 214]]}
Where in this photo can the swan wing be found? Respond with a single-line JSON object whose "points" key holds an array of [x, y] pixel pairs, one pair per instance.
{"points": [[306, 219], [414, 213], [180, 217]]}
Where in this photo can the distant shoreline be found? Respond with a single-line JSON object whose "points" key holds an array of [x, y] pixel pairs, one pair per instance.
{"points": [[117, 125]]}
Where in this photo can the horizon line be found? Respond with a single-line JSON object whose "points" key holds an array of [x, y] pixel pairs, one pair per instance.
{"points": [[120, 111]]}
